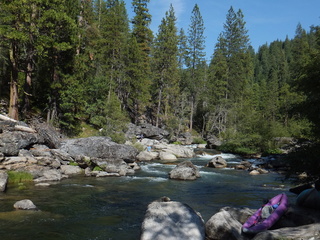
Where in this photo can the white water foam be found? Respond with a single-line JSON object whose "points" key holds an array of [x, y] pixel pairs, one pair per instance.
{"points": [[225, 156], [150, 179]]}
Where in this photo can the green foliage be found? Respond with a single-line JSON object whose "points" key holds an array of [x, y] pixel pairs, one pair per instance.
{"points": [[97, 168], [19, 177], [272, 151], [198, 140], [138, 146], [87, 130]]}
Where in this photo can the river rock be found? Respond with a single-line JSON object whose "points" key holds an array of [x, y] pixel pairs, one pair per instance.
{"points": [[168, 157], [25, 204], [185, 138], [213, 142], [146, 130], [227, 223], [147, 156], [297, 223], [39, 150], [3, 181], [98, 147], [254, 172], [112, 165], [71, 170], [178, 150], [50, 175], [307, 232], [185, 171], [12, 142], [217, 162], [171, 221]]}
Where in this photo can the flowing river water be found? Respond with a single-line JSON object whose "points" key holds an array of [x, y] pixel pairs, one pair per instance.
{"points": [[87, 208]]}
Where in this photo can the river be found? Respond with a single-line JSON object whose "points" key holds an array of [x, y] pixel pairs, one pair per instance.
{"points": [[87, 208]]}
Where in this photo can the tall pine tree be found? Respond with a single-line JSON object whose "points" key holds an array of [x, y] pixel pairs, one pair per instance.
{"points": [[165, 58], [195, 62]]}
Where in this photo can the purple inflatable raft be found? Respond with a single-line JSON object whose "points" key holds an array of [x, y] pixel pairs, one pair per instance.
{"points": [[266, 216]]}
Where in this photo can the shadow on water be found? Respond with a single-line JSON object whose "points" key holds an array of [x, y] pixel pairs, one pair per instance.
{"points": [[113, 208]]}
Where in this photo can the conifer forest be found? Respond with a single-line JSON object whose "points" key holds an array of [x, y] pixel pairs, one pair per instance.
{"points": [[76, 62]]}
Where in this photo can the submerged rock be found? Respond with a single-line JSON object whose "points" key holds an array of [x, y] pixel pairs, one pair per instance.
{"points": [[171, 220]]}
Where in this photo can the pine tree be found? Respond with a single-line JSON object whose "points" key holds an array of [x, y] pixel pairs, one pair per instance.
{"points": [[142, 38], [238, 55], [108, 83], [195, 62], [165, 58]]}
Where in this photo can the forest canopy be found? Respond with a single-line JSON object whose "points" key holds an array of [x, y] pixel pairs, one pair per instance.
{"points": [[76, 62]]}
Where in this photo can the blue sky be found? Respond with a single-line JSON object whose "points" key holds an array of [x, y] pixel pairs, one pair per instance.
{"points": [[266, 20]]}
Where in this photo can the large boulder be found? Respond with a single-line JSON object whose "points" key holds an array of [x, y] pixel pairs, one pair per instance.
{"points": [[296, 223], [147, 156], [227, 223], [185, 171], [178, 150], [112, 165], [185, 138], [168, 157], [213, 142], [310, 232], [71, 170], [217, 162], [98, 147], [50, 175], [171, 221], [12, 142], [146, 130]]}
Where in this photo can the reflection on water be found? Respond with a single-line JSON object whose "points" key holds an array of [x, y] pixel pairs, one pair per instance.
{"points": [[113, 208]]}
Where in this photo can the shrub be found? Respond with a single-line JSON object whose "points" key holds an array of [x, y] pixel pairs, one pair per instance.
{"points": [[138, 146], [97, 168], [199, 141]]}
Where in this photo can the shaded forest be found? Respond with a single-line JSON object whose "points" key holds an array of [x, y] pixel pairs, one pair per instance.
{"points": [[85, 62]]}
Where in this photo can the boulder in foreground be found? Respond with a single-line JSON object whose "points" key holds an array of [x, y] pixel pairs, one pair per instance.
{"points": [[171, 221]]}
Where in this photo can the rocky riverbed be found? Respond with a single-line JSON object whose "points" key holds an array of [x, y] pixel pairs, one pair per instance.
{"points": [[50, 157]]}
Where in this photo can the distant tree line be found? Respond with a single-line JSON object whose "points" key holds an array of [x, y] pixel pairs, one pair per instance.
{"points": [[85, 61]]}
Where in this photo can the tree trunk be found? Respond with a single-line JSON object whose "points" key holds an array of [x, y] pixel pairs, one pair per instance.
{"points": [[158, 107], [191, 114], [13, 105]]}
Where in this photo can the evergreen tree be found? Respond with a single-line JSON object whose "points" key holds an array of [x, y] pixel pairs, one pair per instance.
{"points": [[231, 74], [108, 83], [236, 50], [194, 81], [165, 58], [142, 35]]}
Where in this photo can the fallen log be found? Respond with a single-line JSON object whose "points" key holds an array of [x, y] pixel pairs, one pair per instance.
{"points": [[24, 129], [16, 126], [5, 118]]}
